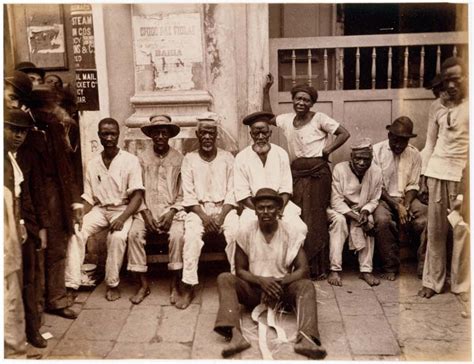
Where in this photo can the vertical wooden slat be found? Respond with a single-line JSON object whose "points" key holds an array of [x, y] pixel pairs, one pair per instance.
{"points": [[389, 68], [374, 67], [455, 51], [310, 71], [357, 68], [405, 69], [293, 67], [341, 69], [325, 69], [422, 66], [438, 59]]}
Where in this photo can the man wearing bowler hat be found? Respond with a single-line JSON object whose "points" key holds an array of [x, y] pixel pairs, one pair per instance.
{"points": [[163, 214], [399, 207], [35, 74], [16, 90]]}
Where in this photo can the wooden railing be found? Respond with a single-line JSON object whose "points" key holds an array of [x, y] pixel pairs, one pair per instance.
{"points": [[418, 54]]}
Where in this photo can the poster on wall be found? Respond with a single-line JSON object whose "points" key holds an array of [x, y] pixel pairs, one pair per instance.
{"points": [[171, 45], [46, 39]]}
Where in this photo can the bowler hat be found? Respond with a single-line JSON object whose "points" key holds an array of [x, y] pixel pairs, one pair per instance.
{"points": [[29, 67], [402, 126], [160, 121], [21, 82], [267, 194], [257, 116], [18, 118]]}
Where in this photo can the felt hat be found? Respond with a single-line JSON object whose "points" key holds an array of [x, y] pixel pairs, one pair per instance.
{"points": [[311, 91], [160, 121], [29, 67], [362, 144], [402, 127], [21, 82], [257, 116], [267, 194], [18, 118]]}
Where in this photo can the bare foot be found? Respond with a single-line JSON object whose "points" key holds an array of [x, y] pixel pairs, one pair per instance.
{"points": [[112, 293], [140, 295], [389, 276], [369, 278], [321, 277], [174, 294], [236, 345], [310, 348], [426, 292], [335, 279], [185, 296]]}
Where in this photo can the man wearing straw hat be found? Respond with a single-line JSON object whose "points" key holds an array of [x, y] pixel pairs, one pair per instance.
{"points": [[163, 215]]}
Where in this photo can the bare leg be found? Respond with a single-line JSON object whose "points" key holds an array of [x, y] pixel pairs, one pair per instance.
{"points": [[112, 293], [236, 345], [143, 291], [174, 286], [369, 278], [335, 279]]}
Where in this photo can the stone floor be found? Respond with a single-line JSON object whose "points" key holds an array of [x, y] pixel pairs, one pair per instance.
{"points": [[357, 322]]}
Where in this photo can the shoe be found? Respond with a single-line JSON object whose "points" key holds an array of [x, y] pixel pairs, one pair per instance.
{"points": [[37, 340], [64, 312]]}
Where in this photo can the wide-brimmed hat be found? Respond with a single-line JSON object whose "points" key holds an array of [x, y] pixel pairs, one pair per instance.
{"points": [[18, 118], [29, 67], [258, 116], [160, 121], [21, 82], [267, 194], [402, 126]]}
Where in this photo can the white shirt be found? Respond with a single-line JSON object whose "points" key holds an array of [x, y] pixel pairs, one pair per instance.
{"points": [[112, 186], [208, 181], [272, 259], [17, 174], [309, 140], [250, 174], [401, 173]]}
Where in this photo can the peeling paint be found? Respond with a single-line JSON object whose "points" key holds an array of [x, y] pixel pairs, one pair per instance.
{"points": [[210, 29]]}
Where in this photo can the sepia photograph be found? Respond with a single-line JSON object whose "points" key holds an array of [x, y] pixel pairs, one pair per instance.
{"points": [[250, 181]]}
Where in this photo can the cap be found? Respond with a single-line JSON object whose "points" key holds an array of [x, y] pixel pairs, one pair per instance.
{"points": [[258, 116]]}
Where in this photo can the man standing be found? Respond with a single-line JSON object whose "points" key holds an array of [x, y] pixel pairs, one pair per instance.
{"points": [[35, 74], [270, 266], [264, 165], [356, 190], [163, 214], [113, 192], [400, 163], [444, 159], [208, 189]]}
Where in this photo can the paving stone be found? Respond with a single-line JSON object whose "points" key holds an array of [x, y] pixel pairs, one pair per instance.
{"points": [[207, 343], [439, 350], [323, 289], [141, 325], [333, 338], [38, 353], [82, 296], [328, 310], [370, 335], [150, 351], [376, 357], [357, 302], [81, 349], [97, 298], [388, 291], [55, 325], [178, 325], [210, 297], [159, 293], [98, 324]]}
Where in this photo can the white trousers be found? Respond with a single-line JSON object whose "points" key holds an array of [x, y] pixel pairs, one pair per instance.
{"points": [[137, 242], [193, 243], [94, 221], [338, 234]]}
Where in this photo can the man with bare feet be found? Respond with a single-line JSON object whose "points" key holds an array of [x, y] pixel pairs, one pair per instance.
{"points": [[445, 157], [163, 215], [356, 190], [399, 208], [208, 197], [270, 266], [113, 191]]}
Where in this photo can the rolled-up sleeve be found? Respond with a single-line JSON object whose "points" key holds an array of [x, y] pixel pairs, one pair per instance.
{"points": [[87, 195], [337, 196], [413, 180], [189, 190], [329, 125], [135, 177]]}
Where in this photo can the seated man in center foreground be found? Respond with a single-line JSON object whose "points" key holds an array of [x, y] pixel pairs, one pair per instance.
{"points": [[270, 266]]}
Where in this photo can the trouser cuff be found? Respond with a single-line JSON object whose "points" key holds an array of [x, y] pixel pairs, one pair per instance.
{"points": [[175, 266], [137, 268]]}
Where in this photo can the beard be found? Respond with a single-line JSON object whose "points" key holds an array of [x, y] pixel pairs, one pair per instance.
{"points": [[261, 149]]}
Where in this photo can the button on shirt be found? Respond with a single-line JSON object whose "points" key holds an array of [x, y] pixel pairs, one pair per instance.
{"points": [[205, 181], [447, 143], [162, 178], [401, 173], [113, 186], [309, 140]]}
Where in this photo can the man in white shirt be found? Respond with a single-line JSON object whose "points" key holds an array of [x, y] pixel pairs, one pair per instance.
{"points": [[444, 160], [264, 165], [208, 197], [113, 191], [399, 208], [271, 266], [356, 190]]}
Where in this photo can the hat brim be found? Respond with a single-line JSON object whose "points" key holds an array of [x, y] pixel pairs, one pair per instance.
{"points": [[172, 128], [278, 199], [388, 127], [17, 124], [39, 71], [20, 91]]}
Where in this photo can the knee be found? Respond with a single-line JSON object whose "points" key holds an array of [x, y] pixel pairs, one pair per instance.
{"points": [[118, 237], [382, 220], [305, 287], [338, 221], [225, 279]]}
